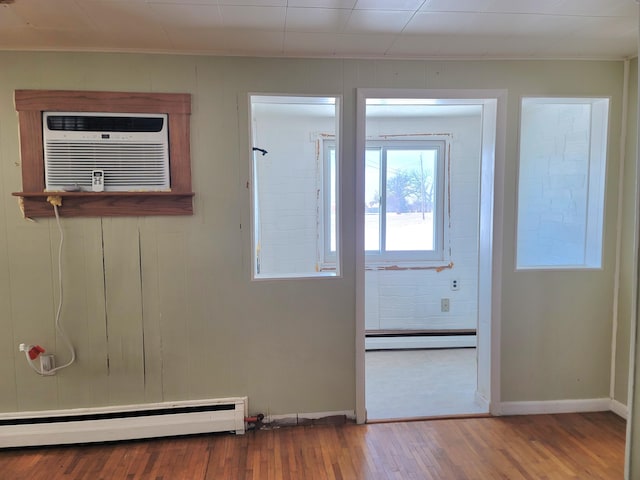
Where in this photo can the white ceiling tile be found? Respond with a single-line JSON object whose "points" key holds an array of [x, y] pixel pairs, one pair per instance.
{"points": [[192, 16], [456, 5], [317, 19], [547, 7], [309, 43], [10, 19], [182, 3], [254, 3], [63, 14], [510, 6], [260, 18], [323, 3], [248, 42], [198, 39], [486, 24], [517, 24], [377, 21], [435, 23], [597, 7], [103, 40], [118, 16], [123, 26], [388, 5], [607, 27], [456, 28], [494, 46], [416, 46], [364, 44], [131, 40]]}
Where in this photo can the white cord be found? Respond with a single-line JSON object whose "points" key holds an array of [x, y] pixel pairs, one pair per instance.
{"points": [[58, 313]]}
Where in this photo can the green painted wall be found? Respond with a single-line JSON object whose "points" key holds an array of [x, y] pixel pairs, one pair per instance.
{"points": [[162, 308]]}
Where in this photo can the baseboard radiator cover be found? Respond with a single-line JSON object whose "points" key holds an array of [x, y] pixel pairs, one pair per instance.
{"points": [[123, 422], [380, 339], [419, 342]]}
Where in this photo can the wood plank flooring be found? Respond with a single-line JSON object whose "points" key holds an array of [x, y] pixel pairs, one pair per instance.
{"points": [[571, 446]]}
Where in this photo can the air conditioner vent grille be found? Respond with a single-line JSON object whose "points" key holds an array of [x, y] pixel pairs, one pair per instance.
{"points": [[132, 160], [69, 164]]}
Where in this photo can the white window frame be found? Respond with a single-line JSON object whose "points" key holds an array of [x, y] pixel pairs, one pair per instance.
{"points": [[439, 253]]}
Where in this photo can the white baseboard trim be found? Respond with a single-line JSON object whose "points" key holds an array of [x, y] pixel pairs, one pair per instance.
{"points": [[619, 409], [398, 343], [555, 406], [297, 418], [124, 422]]}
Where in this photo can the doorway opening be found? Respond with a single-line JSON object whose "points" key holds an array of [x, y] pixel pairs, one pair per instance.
{"points": [[425, 192]]}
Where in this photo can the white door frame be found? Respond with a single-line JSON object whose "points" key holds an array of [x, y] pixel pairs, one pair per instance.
{"points": [[490, 238]]}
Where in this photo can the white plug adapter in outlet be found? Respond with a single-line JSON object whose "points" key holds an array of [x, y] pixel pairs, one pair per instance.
{"points": [[47, 363]]}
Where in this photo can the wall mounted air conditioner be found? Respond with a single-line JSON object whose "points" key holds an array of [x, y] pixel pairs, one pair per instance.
{"points": [[132, 151]]}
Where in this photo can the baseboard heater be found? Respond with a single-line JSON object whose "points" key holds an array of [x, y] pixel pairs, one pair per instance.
{"points": [[125, 422], [419, 339]]}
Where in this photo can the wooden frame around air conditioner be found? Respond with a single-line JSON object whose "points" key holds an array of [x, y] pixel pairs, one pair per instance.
{"points": [[31, 103]]}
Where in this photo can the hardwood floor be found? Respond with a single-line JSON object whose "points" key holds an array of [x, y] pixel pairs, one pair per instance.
{"points": [[571, 446]]}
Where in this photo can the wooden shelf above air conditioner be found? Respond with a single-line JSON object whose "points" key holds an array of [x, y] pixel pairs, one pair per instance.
{"points": [[107, 204], [31, 103]]}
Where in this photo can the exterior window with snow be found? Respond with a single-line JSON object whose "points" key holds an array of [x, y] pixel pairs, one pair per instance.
{"points": [[405, 200], [295, 201], [561, 183]]}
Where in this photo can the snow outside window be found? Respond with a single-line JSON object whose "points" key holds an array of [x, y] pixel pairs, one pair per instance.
{"points": [[405, 207]]}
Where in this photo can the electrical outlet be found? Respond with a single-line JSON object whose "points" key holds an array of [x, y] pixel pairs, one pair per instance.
{"points": [[47, 363], [444, 304], [455, 284]]}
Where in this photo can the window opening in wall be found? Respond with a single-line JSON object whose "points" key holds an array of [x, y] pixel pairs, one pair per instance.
{"points": [[563, 147], [295, 202]]}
